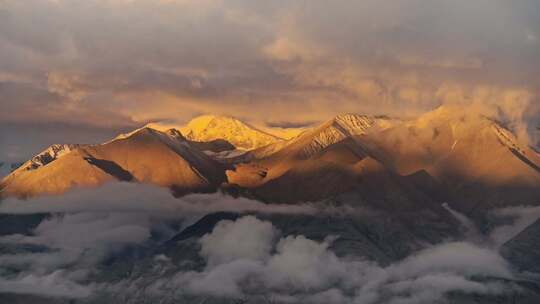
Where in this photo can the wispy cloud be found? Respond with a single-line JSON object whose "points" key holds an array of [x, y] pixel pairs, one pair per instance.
{"points": [[515, 220], [134, 197]]}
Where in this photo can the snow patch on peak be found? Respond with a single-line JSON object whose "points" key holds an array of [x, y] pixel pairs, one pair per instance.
{"points": [[313, 140], [200, 123], [151, 129], [124, 135], [333, 131], [354, 124], [47, 156]]}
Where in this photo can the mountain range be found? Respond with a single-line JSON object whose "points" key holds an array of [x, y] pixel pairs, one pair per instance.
{"points": [[467, 159], [399, 186]]}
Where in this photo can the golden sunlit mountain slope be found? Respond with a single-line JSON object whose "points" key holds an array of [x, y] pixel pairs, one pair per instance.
{"points": [[449, 142], [72, 170], [318, 163], [46, 156], [207, 128], [476, 160], [474, 156], [313, 140], [147, 155], [450, 154]]}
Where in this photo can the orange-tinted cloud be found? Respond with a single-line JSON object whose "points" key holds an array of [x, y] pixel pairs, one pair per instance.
{"points": [[122, 63]]}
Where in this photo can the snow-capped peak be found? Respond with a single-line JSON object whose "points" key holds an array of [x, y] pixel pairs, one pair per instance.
{"points": [[337, 129], [48, 155], [238, 133], [353, 124]]}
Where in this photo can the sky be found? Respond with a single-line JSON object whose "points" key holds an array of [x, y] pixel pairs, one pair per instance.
{"points": [[85, 70]]}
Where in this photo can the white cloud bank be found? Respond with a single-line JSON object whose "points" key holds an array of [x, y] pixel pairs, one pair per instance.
{"points": [[244, 258], [73, 245], [87, 226], [301, 270]]}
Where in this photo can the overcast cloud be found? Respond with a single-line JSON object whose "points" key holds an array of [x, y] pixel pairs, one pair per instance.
{"points": [[115, 64]]}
